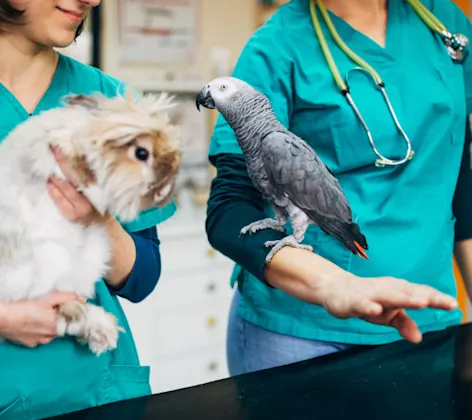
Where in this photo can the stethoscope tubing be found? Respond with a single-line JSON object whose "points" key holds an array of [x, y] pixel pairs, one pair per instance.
{"points": [[455, 44]]}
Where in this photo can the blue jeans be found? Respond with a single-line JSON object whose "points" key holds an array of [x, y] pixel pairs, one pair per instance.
{"points": [[250, 348]]}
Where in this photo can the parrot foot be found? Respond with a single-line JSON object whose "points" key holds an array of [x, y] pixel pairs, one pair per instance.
{"points": [[287, 241], [260, 225]]}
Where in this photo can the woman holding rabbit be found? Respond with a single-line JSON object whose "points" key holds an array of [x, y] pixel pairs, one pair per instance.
{"points": [[42, 375]]}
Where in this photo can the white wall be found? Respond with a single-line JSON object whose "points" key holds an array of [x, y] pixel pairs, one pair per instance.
{"points": [[225, 23]]}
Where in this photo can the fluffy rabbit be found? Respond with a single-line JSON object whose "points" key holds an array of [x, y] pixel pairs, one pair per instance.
{"points": [[125, 155]]}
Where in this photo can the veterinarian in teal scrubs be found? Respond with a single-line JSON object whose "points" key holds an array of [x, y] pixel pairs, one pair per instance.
{"points": [[40, 375], [412, 215]]}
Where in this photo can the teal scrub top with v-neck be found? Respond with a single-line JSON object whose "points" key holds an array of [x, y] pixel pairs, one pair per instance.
{"points": [[406, 212], [64, 376]]}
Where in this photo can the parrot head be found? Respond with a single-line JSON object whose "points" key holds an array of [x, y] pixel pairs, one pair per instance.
{"points": [[239, 103], [223, 93]]}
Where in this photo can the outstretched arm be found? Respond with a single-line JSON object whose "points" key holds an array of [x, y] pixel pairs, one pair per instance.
{"points": [[462, 205], [234, 203], [462, 208]]}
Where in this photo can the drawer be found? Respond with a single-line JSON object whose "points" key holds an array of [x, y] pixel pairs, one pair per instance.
{"points": [[188, 369], [177, 292], [188, 254], [188, 328]]}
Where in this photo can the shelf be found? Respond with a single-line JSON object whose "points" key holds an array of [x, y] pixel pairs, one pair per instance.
{"points": [[176, 87]]}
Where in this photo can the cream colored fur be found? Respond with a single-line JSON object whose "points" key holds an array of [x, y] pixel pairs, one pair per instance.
{"points": [[40, 250]]}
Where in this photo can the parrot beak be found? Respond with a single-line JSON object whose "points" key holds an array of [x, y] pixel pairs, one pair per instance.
{"points": [[204, 99]]}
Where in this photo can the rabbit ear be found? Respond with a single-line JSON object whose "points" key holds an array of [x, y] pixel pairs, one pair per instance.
{"points": [[89, 102]]}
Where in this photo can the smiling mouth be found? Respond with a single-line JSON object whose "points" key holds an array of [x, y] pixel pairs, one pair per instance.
{"points": [[73, 15]]}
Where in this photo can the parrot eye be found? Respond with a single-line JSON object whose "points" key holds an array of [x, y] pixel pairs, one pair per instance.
{"points": [[223, 87], [141, 154]]}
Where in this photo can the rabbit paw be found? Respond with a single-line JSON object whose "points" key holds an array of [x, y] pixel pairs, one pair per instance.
{"points": [[101, 330], [71, 318], [72, 311]]}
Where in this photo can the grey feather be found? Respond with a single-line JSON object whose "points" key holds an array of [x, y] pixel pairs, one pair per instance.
{"points": [[311, 187]]}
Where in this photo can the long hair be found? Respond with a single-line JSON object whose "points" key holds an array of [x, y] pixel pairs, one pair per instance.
{"points": [[12, 16]]}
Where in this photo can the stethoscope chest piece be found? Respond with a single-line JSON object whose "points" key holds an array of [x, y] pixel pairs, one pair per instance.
{"points": [[457, 46]]}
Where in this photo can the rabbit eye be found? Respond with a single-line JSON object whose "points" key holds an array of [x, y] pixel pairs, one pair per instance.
{"points": [[141, 154]]}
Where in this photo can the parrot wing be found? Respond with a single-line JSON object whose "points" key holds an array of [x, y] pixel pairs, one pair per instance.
{"points": [[297, 173]]}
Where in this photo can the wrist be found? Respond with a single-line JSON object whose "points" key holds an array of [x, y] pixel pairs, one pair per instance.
{"points": [[105, 220], [303, 274], [4, 318]]}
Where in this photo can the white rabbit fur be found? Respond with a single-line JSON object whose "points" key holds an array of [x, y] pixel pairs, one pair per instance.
{"points": [[40, 250]]}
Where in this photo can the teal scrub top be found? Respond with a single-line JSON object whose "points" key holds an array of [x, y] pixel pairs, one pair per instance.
{"points": [[64, 376], [405, 213]]}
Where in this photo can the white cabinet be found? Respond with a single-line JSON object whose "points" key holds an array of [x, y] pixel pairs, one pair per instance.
{"points": [[180, 329]]}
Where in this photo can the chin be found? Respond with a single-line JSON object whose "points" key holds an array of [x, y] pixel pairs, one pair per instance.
{"points": [[62, 39], [63, 43]]}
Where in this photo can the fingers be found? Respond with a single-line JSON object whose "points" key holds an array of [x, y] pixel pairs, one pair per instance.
{"points": [[33, 342], [46, 339], [406, 327], [64, 165], [433, 297], [73, 204], [64, 192], [366, 307], [61, 201], [57, 298], [395, 293], [68, 190]]}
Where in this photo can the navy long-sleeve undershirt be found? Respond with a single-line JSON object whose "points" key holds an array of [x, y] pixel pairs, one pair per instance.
{"points": [[147, 267]]}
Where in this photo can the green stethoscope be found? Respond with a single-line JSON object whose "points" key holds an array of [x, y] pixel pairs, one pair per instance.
{"points": [[456, 45]]}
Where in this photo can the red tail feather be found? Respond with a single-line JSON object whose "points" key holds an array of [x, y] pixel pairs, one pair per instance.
{"points": [[362, 253]]}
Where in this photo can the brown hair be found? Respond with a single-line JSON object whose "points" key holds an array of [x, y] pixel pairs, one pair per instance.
{"points": [[8, 14]]}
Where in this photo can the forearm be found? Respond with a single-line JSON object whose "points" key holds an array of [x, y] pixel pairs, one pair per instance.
{"points": [[147, 267], [463, 255], [3, 316], [462, 209], [123, 253], [291, 270], [234, 203]]}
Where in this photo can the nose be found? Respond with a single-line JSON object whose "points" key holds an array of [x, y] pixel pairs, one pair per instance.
{"points": [[90, 3]]}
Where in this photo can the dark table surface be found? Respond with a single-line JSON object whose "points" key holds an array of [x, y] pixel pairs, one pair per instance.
{"points": [[431, 381]]}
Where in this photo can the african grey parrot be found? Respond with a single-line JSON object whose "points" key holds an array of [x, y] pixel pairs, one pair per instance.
{"points": [[284, 168]]}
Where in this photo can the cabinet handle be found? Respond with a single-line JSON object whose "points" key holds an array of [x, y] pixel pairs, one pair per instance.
{"points": [[211, 287], [212, 366], [211, 321], [211, 252]]}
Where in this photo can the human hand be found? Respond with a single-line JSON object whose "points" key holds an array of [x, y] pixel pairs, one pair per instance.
{"points": [[382, 300], [74, 205], [33, 322]]}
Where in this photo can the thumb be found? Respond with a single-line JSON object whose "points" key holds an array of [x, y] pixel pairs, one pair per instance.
{"points": [[56, 298], [406, 327]]}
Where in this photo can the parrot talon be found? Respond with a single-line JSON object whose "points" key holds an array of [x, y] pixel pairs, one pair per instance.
{"points": [[287, 241], [260, 225]]}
